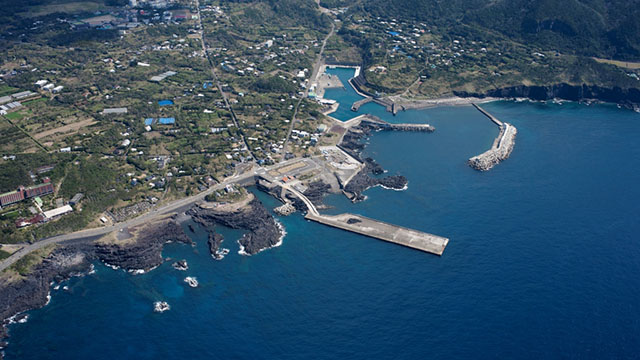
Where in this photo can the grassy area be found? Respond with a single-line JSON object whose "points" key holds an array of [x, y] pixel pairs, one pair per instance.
{"points": [[25, 265], [623, 64], [7, 90], [17, 115], [4, 254]]}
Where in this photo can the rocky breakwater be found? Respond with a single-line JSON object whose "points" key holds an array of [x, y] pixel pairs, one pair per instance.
{"points": [[500, 150], [263, 231]]}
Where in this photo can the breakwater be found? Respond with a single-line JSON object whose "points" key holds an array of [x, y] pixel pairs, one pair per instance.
{"points": [[376, 122], [383, 231], [501, 148]]}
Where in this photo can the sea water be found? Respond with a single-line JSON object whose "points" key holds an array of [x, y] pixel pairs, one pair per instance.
{"points": [[543, 260]]}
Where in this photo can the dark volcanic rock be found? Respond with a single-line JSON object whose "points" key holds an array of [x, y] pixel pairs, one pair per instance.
{"points": [[362, 181], [351, 143], [315, 192], [627, 97], [31, 292], [215, 240], [263, 232], [146, 252]]}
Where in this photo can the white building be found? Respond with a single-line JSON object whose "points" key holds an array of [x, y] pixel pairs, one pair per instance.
{"points": [[58, 211]]}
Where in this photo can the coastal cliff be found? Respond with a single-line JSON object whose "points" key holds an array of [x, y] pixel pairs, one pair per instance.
{"points": [[20, 293], [146, 252], [628, 96], [263, 231]]}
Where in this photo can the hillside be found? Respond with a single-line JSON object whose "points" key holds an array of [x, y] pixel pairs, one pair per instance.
{"points": [[605, 28]]}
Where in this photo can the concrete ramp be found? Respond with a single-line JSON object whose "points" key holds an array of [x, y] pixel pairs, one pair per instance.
{"points": [[380, 230]]}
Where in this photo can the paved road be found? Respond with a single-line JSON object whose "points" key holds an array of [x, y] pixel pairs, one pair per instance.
{"points": [[153, 213], [314, 74]]}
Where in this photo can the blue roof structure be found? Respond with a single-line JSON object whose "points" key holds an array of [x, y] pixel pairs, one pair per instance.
{"points": [[148, 121], [166, 121], [394, 33], [165, 102]]}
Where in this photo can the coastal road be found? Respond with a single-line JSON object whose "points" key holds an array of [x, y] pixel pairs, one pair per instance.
{"points": [[314, 74], [145, 218]]}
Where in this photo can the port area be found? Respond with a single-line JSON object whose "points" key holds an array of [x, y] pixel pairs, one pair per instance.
{"points": [[383, 231]]}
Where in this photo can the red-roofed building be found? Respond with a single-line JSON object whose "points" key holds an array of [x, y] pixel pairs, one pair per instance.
{"points": [[11, 197], [38, 190]]}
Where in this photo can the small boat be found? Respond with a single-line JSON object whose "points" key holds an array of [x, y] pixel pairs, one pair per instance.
{"points": [[161, 306], [191, 281]]}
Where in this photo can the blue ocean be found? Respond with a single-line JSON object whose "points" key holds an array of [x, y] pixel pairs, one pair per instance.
{"points": [[543, 259]]}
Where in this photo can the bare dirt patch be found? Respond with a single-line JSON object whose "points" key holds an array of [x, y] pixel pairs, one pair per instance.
{"points": [[69, 128]]}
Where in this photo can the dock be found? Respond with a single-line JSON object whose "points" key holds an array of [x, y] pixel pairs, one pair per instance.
{"points": [[356, 105], [383, 231], [374, 228], [383, 125]]}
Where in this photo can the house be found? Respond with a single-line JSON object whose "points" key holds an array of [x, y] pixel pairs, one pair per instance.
{"points": [[20, 223], [76, 199]]}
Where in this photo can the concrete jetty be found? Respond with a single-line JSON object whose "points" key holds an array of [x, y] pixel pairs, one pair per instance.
{"points": [[486, 113], [356, 105], [501, 148], [376, 121], [383, 231], [376, 229]]}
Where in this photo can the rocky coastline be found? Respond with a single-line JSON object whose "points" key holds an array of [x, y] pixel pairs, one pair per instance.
{"points": [[262, 230], [629, 97], [352, 144], [22, 293], [146, 252], [315, 192], [214, 242]]}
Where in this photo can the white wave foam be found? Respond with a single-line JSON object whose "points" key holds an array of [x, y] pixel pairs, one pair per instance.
{"points": [[114, 267], [405, 187]]}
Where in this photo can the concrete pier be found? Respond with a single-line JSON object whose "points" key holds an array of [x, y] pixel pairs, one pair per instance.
{"points": [[376, 229], [486, 113], [383, 231], [356, 105], [370, 119]]}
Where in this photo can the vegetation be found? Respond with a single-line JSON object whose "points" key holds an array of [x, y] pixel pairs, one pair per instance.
{"points": [[606, 28]]}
